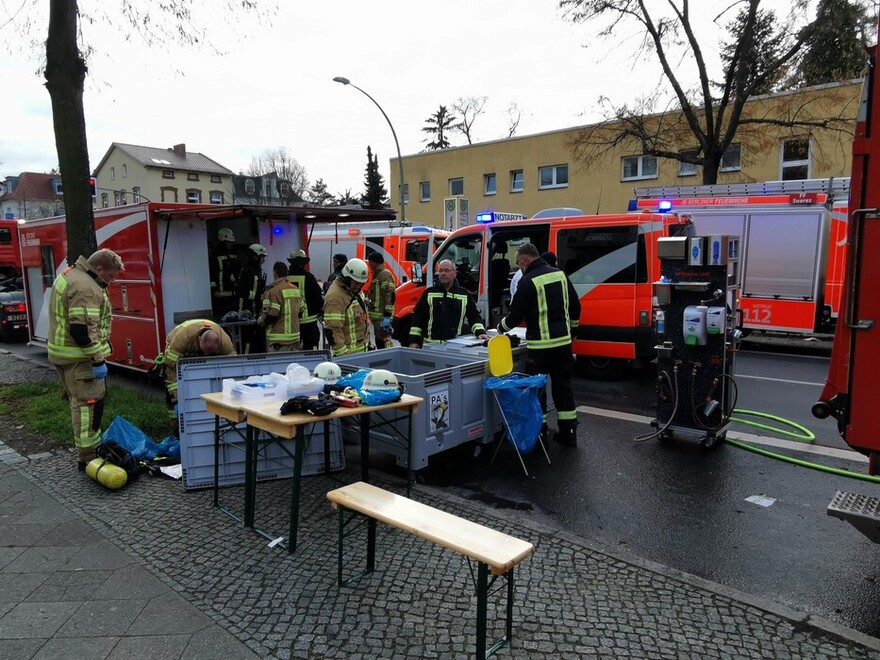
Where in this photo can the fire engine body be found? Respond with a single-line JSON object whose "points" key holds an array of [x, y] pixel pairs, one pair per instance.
{"points": [[165, 249], [10, 255], [610, 259], [400, 245], [793, 242]]}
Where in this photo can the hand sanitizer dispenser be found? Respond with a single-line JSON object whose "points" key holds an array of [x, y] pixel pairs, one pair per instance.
{"points": [[694, 325], [715, 320]]}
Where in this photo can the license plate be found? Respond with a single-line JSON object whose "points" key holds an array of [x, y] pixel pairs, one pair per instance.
{"points": [[17, 317]]}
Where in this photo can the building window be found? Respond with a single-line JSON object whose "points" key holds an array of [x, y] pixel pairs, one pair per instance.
{"points": [[136, 194], [169, 194], [249, 187], [124, 171], [795, 159], [104, 201], [406, 193], [639, 167], [489, 184], [192, 176], [123, 197], [215, 178], [285, 189], [216, 197], [113, 174], [731, 161], [425, 191], [688, 169], [456, 186], [167, 174], [516, 181], [116, 198], [553, 176], [194, 196]]}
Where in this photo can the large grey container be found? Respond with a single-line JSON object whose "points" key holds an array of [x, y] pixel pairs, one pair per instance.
{"points": [[456, 409], [202, 375]]}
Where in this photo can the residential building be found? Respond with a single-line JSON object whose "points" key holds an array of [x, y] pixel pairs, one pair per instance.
{"points": [[263, 189], [129, 173], [529, 173], [31, 195]]}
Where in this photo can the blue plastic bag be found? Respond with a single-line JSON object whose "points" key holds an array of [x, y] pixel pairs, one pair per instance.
{"points": [[369, 397], [518, 397], [138, 443]]}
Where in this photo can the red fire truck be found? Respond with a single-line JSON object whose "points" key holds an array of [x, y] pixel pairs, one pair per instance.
{"points": [[165, 249], [10, 255], [792, 241]]}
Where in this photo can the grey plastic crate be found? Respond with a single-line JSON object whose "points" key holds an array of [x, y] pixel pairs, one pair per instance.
{"points": [[201, 375], [456, 408]]}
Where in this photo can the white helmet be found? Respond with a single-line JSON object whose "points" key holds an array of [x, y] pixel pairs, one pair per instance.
{"points": [[329, 372], [258, 249], [381, 379], [356, 269], [226, 235]]}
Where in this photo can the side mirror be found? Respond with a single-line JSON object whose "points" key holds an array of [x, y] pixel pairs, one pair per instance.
{"points": [[416, 273]]}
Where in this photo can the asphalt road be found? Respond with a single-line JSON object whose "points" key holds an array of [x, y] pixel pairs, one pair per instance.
{"points": [[686, 507]]}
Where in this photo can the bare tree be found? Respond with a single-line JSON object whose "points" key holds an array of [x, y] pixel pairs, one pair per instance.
{"points": [[65, 73], [281, 162], [514, 115], [468, 109], [755, 58]]}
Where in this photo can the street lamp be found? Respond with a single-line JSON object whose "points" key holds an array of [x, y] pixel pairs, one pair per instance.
{"points": [[346, 81]]}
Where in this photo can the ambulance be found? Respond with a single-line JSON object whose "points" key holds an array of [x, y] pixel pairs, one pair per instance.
{"points": [[793, 244], [165, 249], [610, 259]]}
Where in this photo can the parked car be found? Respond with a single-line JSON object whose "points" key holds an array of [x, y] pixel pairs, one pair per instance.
{"points": [[13, 316]]}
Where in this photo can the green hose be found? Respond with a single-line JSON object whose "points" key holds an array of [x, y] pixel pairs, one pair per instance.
{"points": [[805, 434], [806, 464]]}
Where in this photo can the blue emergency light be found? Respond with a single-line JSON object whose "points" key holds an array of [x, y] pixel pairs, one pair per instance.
{"points": [[277, 230], [485, 217], [665, 206]]}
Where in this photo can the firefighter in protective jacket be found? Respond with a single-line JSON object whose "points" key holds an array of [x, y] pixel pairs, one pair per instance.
{"points": [[224, 267], [381, 297], [345, 310], [281, 309], [312, 301], [549, 304], [445, 311], [79, 342], [189, 339]]}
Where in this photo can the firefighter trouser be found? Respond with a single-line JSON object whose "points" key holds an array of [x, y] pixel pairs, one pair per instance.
{"points": [[282, 347], [86, 396], [309, 335], [558, 364]]}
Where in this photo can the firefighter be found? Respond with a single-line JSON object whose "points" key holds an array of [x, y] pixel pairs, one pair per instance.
{"points": [[190, 339], [311, 301], [224, 267], [548, 303], [445, 311], [249, 288], [339, 260], [79, 343], [345, 310], [381, 299], [281, 312]]}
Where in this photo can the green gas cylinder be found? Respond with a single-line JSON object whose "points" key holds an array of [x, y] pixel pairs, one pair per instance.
{"points": [[105, 473]]}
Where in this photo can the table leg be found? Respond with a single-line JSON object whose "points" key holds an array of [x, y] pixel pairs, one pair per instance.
{"points": [[410, 475], [365, 446], [295, 486], [250, 460], [216, 460], [326, 424]]}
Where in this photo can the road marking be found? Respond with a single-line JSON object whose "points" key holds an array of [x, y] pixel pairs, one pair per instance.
{"points": [[782, 380], [779, 443]]}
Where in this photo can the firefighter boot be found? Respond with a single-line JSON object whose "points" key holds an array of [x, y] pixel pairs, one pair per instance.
{"points": [[567, 433]]}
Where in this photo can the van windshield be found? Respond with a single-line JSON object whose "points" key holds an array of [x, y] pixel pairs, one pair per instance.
{"points": [[465, 252]]}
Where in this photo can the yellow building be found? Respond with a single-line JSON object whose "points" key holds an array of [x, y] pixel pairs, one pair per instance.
{"points": [[129, 174], [534, 172]]}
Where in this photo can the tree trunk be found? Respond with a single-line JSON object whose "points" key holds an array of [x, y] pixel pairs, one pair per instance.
{"points": [[711, 164], [65, 77]]}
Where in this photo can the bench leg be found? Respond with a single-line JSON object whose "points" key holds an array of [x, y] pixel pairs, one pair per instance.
{"points": [[483, 586], [371, 547]]}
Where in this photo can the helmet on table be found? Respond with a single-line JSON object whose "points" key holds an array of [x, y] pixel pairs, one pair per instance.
{"points": [[329, 372], [381, 379], [356, 269]]}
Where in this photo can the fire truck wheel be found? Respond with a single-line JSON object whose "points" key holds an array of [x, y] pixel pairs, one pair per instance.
{"points": [[601, 368]]}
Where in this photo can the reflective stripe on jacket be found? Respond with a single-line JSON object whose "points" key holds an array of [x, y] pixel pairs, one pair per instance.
{"points": [[440, 315], [345, 315], [381, 294], [281, 302], [78, 299]]}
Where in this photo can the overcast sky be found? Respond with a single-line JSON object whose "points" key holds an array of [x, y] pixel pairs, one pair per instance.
{"points": [[272, 86]]}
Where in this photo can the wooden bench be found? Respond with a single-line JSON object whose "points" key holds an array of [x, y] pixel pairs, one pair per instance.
{"points": [[491, 550]]}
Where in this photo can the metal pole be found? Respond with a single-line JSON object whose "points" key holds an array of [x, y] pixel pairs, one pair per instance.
{"points": [[346, 81]]}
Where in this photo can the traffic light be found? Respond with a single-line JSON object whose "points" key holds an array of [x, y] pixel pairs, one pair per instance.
{"points": [[94, 187]]}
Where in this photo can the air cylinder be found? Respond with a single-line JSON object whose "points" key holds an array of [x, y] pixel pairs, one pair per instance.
{"points": [[105, 473]]}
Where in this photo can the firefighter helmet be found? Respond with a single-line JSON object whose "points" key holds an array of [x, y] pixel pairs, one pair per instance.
{"points": [[356, 269], [258, 249], [298, 255], [381, 379], [329, 372], [225, 235]]}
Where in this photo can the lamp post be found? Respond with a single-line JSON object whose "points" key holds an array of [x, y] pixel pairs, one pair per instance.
{"points": [[346, 81]]}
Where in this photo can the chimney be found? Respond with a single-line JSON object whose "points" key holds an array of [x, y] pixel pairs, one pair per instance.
{"points": [[179, 150]]}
